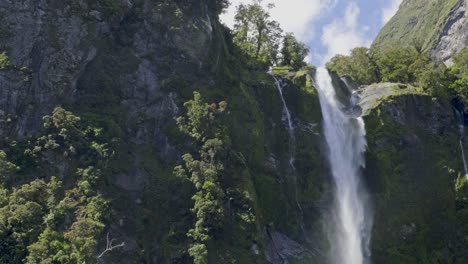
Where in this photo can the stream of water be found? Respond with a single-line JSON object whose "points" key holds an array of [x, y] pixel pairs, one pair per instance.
{"points": [[292, 148], [350, 217], [459, 116]]}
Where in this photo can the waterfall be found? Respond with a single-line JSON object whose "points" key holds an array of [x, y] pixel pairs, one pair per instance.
{"points": [[288, 119], [464, 158], [292, 147], [459, 116], [351, 220]]}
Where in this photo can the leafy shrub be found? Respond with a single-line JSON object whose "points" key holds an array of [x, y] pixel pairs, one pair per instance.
{"points": [[204, 169], [4, 61], [46, 220], [359, 66]]}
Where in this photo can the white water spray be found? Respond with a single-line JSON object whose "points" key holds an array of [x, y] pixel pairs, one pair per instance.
{"points": [[351, 220]]}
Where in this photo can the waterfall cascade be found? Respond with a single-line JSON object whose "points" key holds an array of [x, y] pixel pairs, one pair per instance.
{"points": [[465, 167], [292, 146], [460, 120], [351, 218], [288, 119]]}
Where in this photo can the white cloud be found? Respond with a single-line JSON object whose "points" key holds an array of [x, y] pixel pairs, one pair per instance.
{"points": [[344, 34], [293, 15], [389, 11]]}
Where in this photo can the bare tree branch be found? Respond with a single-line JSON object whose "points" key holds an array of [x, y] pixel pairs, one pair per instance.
{"points": [[110, 247]]}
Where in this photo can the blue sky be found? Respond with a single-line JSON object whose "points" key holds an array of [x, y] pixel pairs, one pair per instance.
{"points": [[328, 27]]}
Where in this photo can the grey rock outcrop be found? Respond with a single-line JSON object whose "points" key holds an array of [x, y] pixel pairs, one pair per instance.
{"points": [[280, 248], [45, 42], [407, 106], [372, 95], [454, 36]]}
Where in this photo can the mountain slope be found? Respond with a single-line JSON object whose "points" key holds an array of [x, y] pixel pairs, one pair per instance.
{"points": [[422, 24]]}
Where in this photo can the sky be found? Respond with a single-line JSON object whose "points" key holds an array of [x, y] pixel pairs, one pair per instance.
{"points": [[328, 27]]}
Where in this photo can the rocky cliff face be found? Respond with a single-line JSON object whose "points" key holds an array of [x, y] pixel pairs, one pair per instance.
{"points": [[127, 66], [413, 165], [436, 26], [115, 63], [454, 33], [415, 162], [53, 45]]}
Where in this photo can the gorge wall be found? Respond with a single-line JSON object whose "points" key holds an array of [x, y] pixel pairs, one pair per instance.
{"points": [[128, 66]]}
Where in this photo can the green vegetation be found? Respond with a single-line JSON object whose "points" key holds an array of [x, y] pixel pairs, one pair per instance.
{"points": [[293, 52], [4, 61], [405, 65], [256, 34], [44, 219], [417, 23], [458, 75], [204, 171], [249, 185], [417, 219], [5, 65], [359, 66], [400, 65], [259, 38]]}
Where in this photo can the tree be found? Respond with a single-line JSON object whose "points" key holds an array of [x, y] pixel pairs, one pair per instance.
{"points": [[66, 137], [460, 61], [362, 66], [256, 34], [358, 65], [394, 65], [293, 52], [204, 169], [46, 220], [341, 65], [433, 79], [458, 74], [6, 168]]}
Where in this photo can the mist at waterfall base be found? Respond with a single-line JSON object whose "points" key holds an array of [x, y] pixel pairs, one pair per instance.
{"points": [[350, 218]]}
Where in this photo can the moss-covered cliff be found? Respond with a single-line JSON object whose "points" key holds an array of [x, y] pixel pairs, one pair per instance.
{"points": [[127, 67], [434, 26], [413, 165]]}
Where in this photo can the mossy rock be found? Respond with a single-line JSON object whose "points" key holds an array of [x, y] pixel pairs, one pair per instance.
{"points": [[412, 165]]}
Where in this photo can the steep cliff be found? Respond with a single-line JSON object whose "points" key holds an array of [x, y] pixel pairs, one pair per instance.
{"points": [[414, 165], [436, 26], [453, 37], [415, 146], [127, 67]]}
